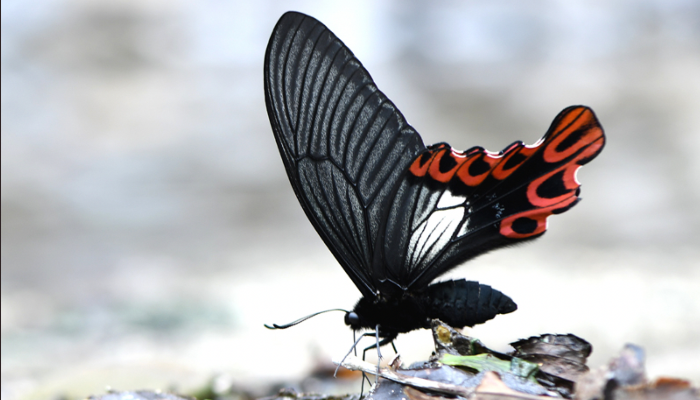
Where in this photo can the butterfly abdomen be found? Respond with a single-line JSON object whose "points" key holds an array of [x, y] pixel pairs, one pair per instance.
{"points": [[458, 303], [466, 303]]}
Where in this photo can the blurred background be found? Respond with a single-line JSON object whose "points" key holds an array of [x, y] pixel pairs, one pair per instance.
{"points": [[149, 229]]}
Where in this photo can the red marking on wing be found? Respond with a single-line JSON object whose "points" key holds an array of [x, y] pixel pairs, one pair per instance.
{"points": [[464, 159], [574, 130], [569, 177], [474, 180], [573, 122], [580, 121], [434, 169], [419, 167], [539, 215], [518, 148], [462, 162]]}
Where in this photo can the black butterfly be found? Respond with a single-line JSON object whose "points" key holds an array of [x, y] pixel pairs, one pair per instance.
{"points": [[394, 213]]}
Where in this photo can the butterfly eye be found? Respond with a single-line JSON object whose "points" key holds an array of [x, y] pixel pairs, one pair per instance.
{"points": [[352, 319]]}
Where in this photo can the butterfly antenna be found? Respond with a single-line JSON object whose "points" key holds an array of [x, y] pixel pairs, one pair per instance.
{"points": [[302, 319]]}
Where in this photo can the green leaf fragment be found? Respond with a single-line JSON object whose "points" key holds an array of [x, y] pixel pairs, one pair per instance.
{"points": [[523, 369], [487, 362]]}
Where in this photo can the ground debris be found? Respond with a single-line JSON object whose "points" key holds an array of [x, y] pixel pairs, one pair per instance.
{"points": [[541, 367], [291, 394], [139, 395], [624, 378]]}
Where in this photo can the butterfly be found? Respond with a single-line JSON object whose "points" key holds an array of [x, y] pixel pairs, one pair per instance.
{"points": [[395, 213]]}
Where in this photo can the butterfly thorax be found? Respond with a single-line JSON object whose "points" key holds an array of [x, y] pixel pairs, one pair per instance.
{"points": [[393, 315]]}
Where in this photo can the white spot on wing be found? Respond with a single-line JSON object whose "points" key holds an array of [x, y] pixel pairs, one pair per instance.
{"points": [[464, 229], [450, 200], [433, 235]]}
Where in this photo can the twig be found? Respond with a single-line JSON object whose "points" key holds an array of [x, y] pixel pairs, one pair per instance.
{"points": [[355, 364]]}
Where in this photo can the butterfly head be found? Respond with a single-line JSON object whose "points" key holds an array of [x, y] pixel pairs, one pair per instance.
{"points": [[353, 320]]}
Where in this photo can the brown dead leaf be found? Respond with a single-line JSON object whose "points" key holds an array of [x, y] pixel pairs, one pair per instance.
{"points": [[493, 388], [563, 356]]}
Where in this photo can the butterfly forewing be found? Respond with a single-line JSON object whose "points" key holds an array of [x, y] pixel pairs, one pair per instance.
{"points": [[344, 144]]}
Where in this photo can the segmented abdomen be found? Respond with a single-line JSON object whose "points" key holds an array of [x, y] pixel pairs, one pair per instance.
{"points": [[466, 303]]}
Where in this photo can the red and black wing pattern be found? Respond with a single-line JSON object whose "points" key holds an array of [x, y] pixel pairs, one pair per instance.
{"points": [[394, 214], [452, 206], [344, 144]]}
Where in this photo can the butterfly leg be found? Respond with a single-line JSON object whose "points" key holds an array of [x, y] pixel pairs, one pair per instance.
{"points": [[364, 375], [379, 354], [381, 343], [354, 346], [377, 345], [354, 340]]}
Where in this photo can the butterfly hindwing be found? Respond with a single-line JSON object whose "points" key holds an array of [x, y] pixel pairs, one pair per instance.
{"points": [[453, 206], [343, 143]]}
